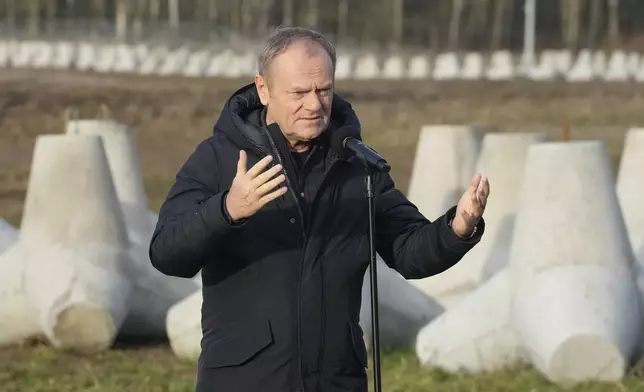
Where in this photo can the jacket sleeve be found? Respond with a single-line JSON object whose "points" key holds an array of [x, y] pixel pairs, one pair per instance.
{"points": [[193, 219], [411, 244]]}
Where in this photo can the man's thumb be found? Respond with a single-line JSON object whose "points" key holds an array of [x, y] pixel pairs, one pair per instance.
{"points": [[241, 163]]}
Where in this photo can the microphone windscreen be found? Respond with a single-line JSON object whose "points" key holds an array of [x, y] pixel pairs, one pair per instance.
{"points": [[339, 135]]}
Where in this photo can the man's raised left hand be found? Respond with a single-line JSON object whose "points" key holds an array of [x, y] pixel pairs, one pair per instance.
{"points": [[471, 206]]}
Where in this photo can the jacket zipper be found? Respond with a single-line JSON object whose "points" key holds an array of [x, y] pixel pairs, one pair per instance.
{"points": [[305, 227], [332, 163], [299, 272]]}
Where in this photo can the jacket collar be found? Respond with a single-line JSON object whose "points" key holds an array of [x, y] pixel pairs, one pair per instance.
{"points": [[243, 119]]}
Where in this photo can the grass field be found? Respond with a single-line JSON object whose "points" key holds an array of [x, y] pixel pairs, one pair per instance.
{"points": [[170, 116], [37, 368]]}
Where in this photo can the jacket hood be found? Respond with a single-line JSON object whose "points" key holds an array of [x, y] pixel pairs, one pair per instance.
{"points": [[241, 118]]}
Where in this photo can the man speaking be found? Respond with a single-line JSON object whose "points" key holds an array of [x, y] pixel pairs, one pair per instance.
{"points": [[277, 221]]}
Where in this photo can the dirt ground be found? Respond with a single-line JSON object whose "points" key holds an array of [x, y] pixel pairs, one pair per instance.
{"points": [[170, 116]]}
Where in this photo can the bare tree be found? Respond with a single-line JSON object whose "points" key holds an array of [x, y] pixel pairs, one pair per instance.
{"points": [[122, 11], [287, 12], [173, 14], [436, 16], [213, 11], [139, 15], [452, 24], [34, 17], [69, 11], [478, 19], [246, 12], [613, 23], [570, 15], [11, 13], [398, 22], [343, 20], [455, 24], [313, 14], [155, 10], [265, 19], [498, 27], [594, 22], [51, 8], [97, 8]]}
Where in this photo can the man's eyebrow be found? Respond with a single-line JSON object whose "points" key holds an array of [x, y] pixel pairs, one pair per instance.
{"points": [[300, 89]]}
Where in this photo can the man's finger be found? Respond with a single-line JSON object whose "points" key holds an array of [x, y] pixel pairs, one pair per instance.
{"points": [[474, 195], [241, 163], [265, 176], [267, 187], [272, 196], [474, 183], [481, 194], [259, 167], [485, 185]]}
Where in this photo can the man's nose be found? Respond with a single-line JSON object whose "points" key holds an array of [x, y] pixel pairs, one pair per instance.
{"points": [[312, 102]]}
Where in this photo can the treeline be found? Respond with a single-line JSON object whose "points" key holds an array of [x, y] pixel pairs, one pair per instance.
{"points": [[436, 24]]}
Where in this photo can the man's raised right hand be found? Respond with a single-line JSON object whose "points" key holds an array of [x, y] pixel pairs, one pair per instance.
{"points": [[252, 189]]}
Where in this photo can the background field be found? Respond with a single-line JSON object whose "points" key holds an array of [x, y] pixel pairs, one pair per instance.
{"points": [[170, 116]]}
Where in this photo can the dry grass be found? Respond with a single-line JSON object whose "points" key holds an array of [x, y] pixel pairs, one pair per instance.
{"points": [[170, 116], [38, 368]]}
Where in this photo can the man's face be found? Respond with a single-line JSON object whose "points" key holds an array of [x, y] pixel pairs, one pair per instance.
{"points": [[298, 90]]}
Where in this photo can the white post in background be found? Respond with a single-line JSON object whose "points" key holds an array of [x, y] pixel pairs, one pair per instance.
{"points": [[530, 25]]}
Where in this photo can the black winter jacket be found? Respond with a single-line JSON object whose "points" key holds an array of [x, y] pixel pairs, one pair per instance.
{"points": [[282, 290]]}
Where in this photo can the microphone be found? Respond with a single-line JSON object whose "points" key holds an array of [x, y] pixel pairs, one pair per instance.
{"points": [[347, 139]]}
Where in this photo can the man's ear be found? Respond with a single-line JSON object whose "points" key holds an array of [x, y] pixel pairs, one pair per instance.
{"points": [[262, 88]]}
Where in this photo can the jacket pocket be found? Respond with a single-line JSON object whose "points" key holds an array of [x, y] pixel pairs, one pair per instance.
{"points": [[359, 348], [237, 345]]}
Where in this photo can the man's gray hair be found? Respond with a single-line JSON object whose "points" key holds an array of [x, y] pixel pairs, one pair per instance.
{"points": [[282, 37]]}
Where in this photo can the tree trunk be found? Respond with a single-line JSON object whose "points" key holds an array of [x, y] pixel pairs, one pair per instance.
{"points": [[246, 14], [97, 9], [173, 14], [34, 17], [287, 12], [613, 23], [313, 15], [477, 25], [137, 24], [343, 20], [199, 8], [508, 18], [11, 14], [438, 13], [399, 22], [595, 20], [122, 11], [498, 27], [155, 10], [564, 21], [571, 10], [69, 12], [455, 24], [51, 8], [265, 18], [213, 11]]}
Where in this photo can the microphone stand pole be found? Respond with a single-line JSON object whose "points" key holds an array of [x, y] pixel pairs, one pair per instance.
{"points": [[375, 332]]}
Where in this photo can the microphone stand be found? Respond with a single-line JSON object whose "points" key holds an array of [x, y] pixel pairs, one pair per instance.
{"points": [[373, 164], [375, 330]]}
